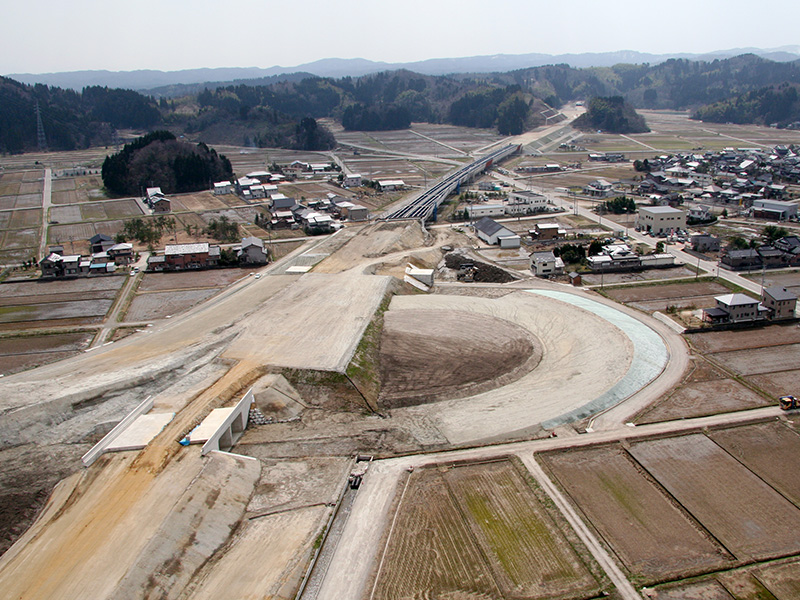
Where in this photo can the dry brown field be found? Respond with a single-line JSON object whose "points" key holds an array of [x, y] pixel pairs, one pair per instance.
{"points": [[25, 218], [28, 200], [160, 305], [703, 398], [782, 580], [788, 279], [725, 341], [5, 217], [201, 201], [69, 213], [653, 538], [78, 232], [478, 531], [154, 282], [764, 449], [746, 515], [31, 187], [757, 361], [702, 590], [777, 384], [8, 187], [21, 238], [45, 288], [54, 311], [19, 353], [666, 291], [643, 276]]}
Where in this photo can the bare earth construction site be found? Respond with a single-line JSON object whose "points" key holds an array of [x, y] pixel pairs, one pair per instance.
{"points": [[496, 420]]}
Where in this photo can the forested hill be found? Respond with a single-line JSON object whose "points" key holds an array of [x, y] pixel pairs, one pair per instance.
{"points": [[284, 113], [778, 105], [675, 84], [70, 119], [612, 115]]}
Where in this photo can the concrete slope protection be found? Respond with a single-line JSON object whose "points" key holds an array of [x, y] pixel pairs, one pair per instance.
{"points": [[575, 377]]}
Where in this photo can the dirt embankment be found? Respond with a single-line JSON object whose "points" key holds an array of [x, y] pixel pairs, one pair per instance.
{"points": [[483, 272]]}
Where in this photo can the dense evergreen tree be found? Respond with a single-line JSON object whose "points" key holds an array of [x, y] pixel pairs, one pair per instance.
{"points": [[612, 115], [159, 160]]}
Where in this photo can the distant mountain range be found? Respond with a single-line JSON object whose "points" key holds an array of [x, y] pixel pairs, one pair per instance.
{"points": [[147, 80]]}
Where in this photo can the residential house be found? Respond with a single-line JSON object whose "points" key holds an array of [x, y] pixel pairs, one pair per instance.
{"points": [[780, 302], [545, 264], [352, 180], [222, 187], [703, 242], [356, 212], [735, 308], [600, 188], [741, 259], [162, 205], [100, 243], [252, 252], [190, 256], [547, 231], [121, 254]]}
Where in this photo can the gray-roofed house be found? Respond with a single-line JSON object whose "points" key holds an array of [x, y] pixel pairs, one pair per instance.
{"points": [[252, 252], [494, 234], [780, 302], [735, 308]]}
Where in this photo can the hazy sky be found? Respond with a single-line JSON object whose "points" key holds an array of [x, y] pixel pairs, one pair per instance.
{"points": [[50, 36]]}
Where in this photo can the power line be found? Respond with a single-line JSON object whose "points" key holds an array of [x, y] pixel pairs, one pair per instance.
{"points": [[40, 139]]}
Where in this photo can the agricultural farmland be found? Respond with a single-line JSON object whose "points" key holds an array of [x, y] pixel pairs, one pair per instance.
{"points": [[705, 390], [479, 530], [654, 538], [723, 495]]}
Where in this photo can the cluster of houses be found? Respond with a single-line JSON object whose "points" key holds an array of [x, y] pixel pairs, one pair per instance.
{"points": [[784, 252], [517, 203], [776, 303], [752, 179], [106, 255], [202, 255], [319, 216], [621, 257]]}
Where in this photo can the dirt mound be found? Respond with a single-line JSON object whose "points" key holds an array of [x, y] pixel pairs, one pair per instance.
{"points": [[431, 355], [483, 273]]}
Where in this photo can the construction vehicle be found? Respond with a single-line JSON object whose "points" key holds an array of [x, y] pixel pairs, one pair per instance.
{"points": [[466, 272], [788, 402]]}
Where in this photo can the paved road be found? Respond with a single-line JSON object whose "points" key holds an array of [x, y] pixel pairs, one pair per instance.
{"points": [[47, 199]]}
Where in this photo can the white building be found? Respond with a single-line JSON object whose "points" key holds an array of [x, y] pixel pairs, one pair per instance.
{"points": [[222, 187], [389, 185], [486, 210], [352, 180], [775, 209], [660, 219], [494, 234], [525, 202]]}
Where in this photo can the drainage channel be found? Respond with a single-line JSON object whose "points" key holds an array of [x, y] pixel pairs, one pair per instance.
{"points": [[331, 541]]}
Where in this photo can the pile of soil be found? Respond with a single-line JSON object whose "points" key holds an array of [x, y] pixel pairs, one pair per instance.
{"points": [[484, 273]]}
